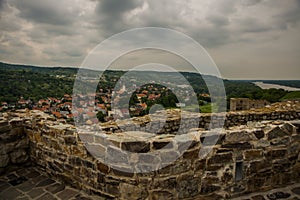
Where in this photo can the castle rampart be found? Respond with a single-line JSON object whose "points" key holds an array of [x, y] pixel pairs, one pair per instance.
{"points": [[257, 157]]}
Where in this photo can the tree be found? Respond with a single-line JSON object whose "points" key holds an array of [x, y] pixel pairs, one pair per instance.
{"points": [[100, 116]]}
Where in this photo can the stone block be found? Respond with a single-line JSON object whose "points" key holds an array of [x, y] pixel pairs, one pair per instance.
{"points": [[88, 164], [96, 150], [288, 127], [241, 145], [277, 132], [120, 171], [70, 140], [191, 154], [181, 167], [281, 165], [252, 154], [102, 167], [136, 146], [168, 156], [116, 155], [239, 136], [284, 141], [164, 143], [165, 183], [200, 165], [183, 146], [188, 186], [4, 160], [209, 140], [276, 153], [221, 158], [148, 158], [75, 160], [18, 156], [112, 187], [254, 184], [86, 137], [133, 192], [258, 166], [162, 195], [208, 189], [259, 134], [5, 128]]}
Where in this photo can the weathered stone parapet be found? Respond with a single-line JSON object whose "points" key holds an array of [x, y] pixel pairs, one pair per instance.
{"points": [[201, 120], [243, 159], [14, 144]]}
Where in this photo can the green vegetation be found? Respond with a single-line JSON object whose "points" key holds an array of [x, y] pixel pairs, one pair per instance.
{"points": [[206, 108], [31, 85], [290, 83], [291, 95], [36, 83]]}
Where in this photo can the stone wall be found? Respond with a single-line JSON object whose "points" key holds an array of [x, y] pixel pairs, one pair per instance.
{"points": [[244, 159], [246, 104], [14, 144], [203, 121]]}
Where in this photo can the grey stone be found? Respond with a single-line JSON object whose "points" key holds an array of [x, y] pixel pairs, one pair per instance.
{"points": [[35, 192], [57, 187], [10, 193], [47, 196], [67, 194], [136, 146], [18, 156], [26, 186], [276, 133], [4, 160], [115, 155], [4, 186], [45, 182], [296, 190], [239, 136]]}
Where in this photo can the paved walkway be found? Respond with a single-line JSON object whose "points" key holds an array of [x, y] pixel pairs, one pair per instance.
{"points": [[291, 192], [31, 183]]}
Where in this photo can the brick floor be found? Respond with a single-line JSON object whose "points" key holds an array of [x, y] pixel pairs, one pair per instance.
{"points": [[31, 183], [291, 192]]}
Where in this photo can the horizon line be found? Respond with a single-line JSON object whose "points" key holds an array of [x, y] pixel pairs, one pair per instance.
{"points": [[124, 70]]}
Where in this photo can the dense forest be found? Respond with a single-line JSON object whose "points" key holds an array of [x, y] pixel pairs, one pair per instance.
{"points": [[35, 83]]}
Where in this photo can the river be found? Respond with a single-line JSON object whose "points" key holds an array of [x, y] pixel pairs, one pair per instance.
{"points": [[269, 86]]}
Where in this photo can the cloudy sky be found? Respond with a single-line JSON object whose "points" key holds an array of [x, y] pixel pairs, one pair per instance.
{"points": [[247, 39]]}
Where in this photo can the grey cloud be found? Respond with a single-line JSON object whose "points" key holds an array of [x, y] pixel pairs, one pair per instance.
{"points": [[252, 25], [292, 15], [211, 38], [218, 20], [250, 2], [47, 11], [225, 6], [2, 2], [61, 32], [117, 8], [110, 14]]}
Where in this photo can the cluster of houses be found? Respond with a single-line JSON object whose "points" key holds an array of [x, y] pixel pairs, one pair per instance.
{"points": [[59, 108], [89, 104]]}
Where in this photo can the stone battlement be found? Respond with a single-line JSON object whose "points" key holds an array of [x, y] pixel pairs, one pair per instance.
{"points": [[256, 152]]}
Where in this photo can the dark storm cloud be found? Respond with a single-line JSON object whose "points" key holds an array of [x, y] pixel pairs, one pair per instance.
{"points": [[218, 20], [291, 16], [2, 4], [61, 32], [47, 11], [110, 14], [117, 8]]}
